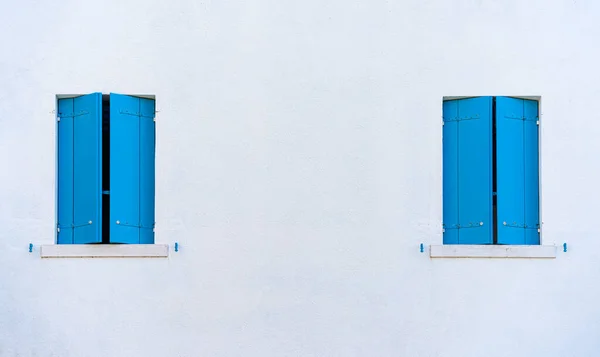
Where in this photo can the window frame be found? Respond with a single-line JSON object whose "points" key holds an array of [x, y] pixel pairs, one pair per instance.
{"points": [[58, 97], [538, 99]]}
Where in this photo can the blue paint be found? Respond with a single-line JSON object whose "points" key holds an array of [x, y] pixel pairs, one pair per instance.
{"points": [[30, 247], [87, 158], [65, 172], [531, 163], [517, 171], [176, 246], [421, 248], [132, 143], [450, 172], [467, 154], [565, 247], [510, 170], [475, 170], [147, 170], [79, 170], [124, 169]]}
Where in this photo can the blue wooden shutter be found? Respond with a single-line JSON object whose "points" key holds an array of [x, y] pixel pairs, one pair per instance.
{"points": [[517, 171], [450, 175], [65, 172], [147, 172], [467, 149], [80, 170], [132, 145]]}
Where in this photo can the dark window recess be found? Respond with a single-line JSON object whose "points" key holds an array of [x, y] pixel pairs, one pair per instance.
{"points": [[105, 169], [494, 178]]}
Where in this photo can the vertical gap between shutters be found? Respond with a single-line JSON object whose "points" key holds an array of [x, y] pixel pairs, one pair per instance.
{"points": [[105, 169], [494, 178]]}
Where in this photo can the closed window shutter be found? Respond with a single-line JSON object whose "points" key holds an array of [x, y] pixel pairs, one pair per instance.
{"points": [[79, 170], [517, 166], [468, 147], [147, 173], [450, 175], [131, 169], [65, 172], [532, 181]]}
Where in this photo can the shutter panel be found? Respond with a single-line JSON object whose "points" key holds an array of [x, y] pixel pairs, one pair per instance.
{"points": [[131, 161], [450, 174], [475, 171], [80, 127], [65, 172], [468, 171], [147, 175], [532, 181], [517, 167]]}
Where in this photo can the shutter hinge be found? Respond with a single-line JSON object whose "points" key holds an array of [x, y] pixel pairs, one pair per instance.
{"points": [[127, 112], [459, 226], [537, 122], [73, 115], [73, 225], [516, 225], [58, 119], [474, 117], [127, 224], [471, 224]]}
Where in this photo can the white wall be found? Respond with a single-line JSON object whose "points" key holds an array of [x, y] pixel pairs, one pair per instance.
{"points": [[299, 167]]}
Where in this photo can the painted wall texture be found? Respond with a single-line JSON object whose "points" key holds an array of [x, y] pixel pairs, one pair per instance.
{"points": [[299, 167]]}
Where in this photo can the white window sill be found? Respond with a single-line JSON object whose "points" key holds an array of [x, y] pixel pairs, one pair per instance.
{"points": [[104, 251], [493, 251]]}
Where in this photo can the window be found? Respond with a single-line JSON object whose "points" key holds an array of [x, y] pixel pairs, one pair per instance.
{"points": [[105, 169], [491, 171]]}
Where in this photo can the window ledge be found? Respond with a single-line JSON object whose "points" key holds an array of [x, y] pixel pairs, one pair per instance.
{"points": [[104, 251], [493, 251]]}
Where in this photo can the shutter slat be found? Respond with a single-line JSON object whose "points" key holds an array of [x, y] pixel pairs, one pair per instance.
{"points": [[87, 215], [510, 166], [65, 172], [531, 135], [450, 172], [475, 171], [124, 169], [147, 170]]}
